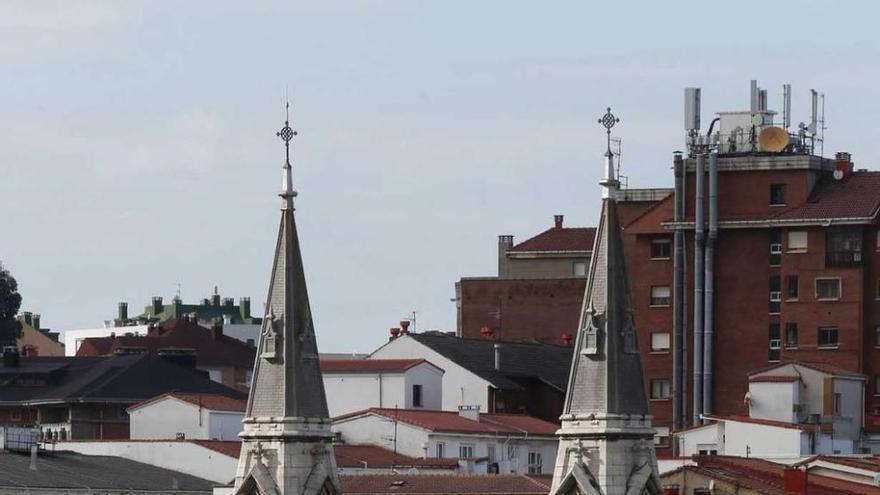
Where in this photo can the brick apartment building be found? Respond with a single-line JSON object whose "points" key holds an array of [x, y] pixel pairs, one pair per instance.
{"points": [[796, 274]]}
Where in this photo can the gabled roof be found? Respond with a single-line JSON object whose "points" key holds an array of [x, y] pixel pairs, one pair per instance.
{"points": [[485, 484], [121, 379], [453, 422], [370, 365], [519, 360], [375, 457], [559, 239], [820, 367], [210, 349], [766, 477], [213, 402], [774, 379], [867, 463], [768, 422]]}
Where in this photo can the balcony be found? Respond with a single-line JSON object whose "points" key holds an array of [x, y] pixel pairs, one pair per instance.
{"points": [[843, 258]]}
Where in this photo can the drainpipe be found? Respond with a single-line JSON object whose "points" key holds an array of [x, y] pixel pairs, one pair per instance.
{"points": [[679, 410], [709, 288], [698, 290]]}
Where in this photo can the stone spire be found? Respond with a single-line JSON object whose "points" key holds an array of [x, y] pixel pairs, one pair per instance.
{"points": [[286, 442], [606, 439]]}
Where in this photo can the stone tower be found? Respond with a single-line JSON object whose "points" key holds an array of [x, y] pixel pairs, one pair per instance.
{"points": [[286, 443], [606, 440]]}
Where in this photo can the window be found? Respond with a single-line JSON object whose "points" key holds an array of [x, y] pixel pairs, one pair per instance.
{"points": [[828, 337], [775, 247], [661, 249], [775, 343], [512, 451], [775, 294], [838, 399], [827, 289], [579, 268], [535, 463], [791, 335], [660, 295], [440, 450], [248, 378], [661, 435], [465, 451], [417, 396], [660, 342], [797, 241], [660, 389], [843, 246], [778, 193], [490, 453], [791, 287]]}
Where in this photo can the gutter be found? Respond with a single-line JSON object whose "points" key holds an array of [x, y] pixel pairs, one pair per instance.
{"points": [[745, 224]]}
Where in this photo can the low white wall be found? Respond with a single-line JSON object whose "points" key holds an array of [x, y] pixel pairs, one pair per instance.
{"points": [[165, 418], [185, 457]]}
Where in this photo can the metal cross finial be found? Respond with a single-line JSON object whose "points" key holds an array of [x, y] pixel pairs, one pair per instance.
{"points": [[608, 120], [286, 133]]}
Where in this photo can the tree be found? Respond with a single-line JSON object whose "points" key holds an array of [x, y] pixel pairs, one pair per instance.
{"points": [[10, 301]]}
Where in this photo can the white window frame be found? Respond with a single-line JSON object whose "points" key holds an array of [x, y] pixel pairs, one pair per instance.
{"points": [[797, 247], [661, 350], [668, 296], [536, 462], [839, 289], [668, 389], [463, 448], [827, 346], [440, 449], [662, 240]]}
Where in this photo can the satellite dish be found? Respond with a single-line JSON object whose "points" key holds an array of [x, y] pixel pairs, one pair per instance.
{"points": [[773, 139], [838, 174]]}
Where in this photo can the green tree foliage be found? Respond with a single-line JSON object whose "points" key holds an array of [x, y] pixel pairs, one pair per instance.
{"points": [[10, 301]]}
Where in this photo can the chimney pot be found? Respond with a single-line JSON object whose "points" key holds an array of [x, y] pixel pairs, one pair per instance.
{"points": [[35, 318], [404, 326], [557, 221], [122, 314], [395, 332]]}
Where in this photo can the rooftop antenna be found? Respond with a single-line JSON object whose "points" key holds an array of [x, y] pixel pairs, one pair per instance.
{"points": [[618, 142], [822, 127], [179, 287], [786, 106], [814, 99], [754, 96]]}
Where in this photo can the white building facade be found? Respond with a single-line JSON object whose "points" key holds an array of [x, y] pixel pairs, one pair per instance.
{"points": [[357, 384], [186, 416]]}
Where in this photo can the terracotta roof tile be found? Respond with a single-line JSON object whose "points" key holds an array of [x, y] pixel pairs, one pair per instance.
{"points": [[214, 402], [229, 448], [368, 365], [450, 421], [561, 239], [373, 456], [487, 484], [855, 197]]}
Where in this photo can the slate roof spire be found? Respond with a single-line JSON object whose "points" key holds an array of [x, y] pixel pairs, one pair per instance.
{"points": [[286, 442], [606, 439]]}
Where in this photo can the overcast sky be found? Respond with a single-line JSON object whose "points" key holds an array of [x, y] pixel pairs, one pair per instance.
{"points": [[138, 147]]}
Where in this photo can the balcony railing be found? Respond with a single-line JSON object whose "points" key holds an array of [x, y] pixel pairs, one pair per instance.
{"points": [[843, 258]]}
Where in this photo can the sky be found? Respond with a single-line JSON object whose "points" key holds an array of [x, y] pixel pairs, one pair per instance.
{"points": [[138, 147]]}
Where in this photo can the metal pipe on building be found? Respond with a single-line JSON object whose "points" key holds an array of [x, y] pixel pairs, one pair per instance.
{"points": [[679, 409], [709, 287], [698, 289]]}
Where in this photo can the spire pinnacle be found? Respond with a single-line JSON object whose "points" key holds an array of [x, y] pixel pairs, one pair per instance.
{"points": [[609, 181], [286, 134]]}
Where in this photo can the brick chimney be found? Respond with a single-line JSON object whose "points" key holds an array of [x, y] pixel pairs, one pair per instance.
{"points": [[404, 326], [557, 222], [395, 332], [216, 328], [795, 481]]}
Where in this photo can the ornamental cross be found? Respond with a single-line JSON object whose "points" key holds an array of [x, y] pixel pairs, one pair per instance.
{"points": [[608, 120], [286, 133]]}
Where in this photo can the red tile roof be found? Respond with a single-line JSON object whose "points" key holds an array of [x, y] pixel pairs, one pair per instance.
{"points": [[450, 421], [373, 456], [177, 334], [369, 365], [228, 448], [774, 379], [820, 367], [561, 239], [213, 402], [486, 484], [768, 422], [855, 197], [868, 463], [767, 477]]}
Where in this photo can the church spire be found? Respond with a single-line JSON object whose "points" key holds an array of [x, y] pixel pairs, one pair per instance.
{"points": [[286, 442], [606, 439]]}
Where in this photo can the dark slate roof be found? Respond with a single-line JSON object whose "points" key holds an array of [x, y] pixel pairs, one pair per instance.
{"points": [[210, 350], [519, 360], [119, 379], [65, 470], [559, 239]]}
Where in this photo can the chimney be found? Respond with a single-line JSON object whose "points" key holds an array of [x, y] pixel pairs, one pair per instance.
{"points": [[505, 242], [469, 412], [557, 222], [158, 307], [795, 480], [33, 458], [228, 302], [215, 298], [10, 357], [497, 357], [122, 313], [244, 307], [36, 321], [404, 326], [486, 332], [395, 332], [843, 165], [28, 318], [566, 339], [216, 328]]}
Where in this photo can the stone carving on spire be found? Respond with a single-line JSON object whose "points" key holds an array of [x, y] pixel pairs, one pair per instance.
{"points": [[606, 410]]}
